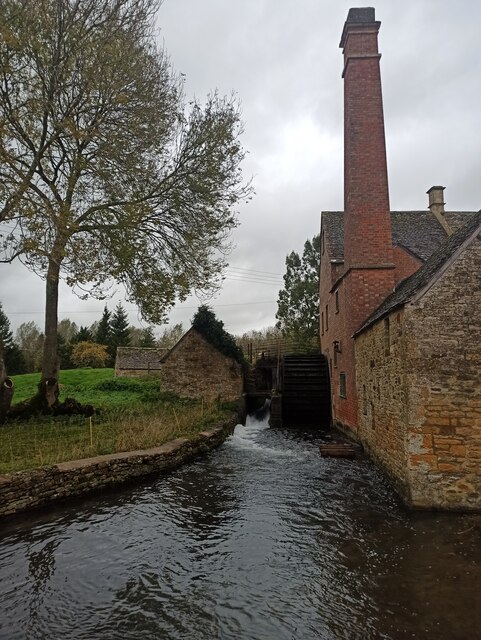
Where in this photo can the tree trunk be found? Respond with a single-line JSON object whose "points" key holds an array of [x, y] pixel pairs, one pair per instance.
{"points": [[48, 387], [6, 389]]}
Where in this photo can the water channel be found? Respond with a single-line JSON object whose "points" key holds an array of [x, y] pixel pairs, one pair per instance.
{"points": [[262, 539]]}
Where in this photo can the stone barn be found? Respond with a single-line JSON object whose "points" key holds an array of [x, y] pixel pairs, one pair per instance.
{"points": [[194, 368], [400, 298], [135, 362]]}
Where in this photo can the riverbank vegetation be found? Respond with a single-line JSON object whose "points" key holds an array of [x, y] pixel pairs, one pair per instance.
{"points": [[132, 414]]}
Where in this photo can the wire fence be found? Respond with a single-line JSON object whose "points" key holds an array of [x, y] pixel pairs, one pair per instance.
{"points": [[49, 440], [42, 441]]}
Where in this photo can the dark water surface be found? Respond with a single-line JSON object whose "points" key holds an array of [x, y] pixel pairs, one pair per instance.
{"points": [[263, 539]]}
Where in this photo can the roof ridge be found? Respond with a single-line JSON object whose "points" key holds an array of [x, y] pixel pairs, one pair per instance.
{"points": [[421, 278]]}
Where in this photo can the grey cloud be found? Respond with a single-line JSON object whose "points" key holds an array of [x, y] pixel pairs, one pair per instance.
{"points": [[282, 58]]}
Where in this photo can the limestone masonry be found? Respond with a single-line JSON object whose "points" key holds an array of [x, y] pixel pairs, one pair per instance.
{"points": [[400, 301], [194, 368]]}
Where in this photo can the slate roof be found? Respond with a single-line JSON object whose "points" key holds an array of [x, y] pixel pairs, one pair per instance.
{"points": [[139, 358], [408, 288], [417, 231]]}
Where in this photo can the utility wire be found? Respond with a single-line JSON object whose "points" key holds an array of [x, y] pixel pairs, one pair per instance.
{"points": [[231, 304]]}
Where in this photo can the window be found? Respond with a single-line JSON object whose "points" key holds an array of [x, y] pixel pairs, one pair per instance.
{"points": [[327, 318], [322, 322], [323, 246], [342, 385], [337, 301]]}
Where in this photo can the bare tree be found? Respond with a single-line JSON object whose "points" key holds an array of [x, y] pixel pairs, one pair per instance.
{"points": [[105, 173]]}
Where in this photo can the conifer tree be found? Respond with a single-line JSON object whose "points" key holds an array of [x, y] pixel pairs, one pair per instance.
{"points": [[119, 326], [14, 361], [147, 339], [6, 336], [104, 330], [82, 335]]}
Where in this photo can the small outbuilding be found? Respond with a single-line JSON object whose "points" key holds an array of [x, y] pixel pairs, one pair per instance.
{"points": [[195, 368]]}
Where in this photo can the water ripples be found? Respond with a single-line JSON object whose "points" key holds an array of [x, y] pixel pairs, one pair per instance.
{"points": [[261, 539]]}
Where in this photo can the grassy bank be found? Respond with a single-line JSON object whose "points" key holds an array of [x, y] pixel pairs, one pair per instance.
{"points": [[133, 414]]}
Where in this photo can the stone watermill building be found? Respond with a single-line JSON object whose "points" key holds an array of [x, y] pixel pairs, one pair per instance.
{"points": [[401, 308]]}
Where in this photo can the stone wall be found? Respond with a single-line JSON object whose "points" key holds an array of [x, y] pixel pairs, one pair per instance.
{"points": [[31, 489], [194, 368], [383, 396], [419, 385], [445, 388]]}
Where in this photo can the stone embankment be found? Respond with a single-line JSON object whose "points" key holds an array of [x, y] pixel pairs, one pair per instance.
{"points": [[38, 487]]}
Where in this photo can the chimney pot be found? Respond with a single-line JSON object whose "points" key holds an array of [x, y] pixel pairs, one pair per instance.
{"points": [[436, 206], [436, 198]]}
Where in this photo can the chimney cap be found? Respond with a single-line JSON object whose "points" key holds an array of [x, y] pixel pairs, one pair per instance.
{"points": [[361, 15], [436, 188]]}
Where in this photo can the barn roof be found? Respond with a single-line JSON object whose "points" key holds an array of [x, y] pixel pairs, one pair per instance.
{"points": [[182, 339], [408, 288], [139, 358], [417, 231]]}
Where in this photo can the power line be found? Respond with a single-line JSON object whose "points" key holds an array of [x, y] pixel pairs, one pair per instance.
{"points": [[271, 283], [231, 304], [255, 271], [253, 276]]}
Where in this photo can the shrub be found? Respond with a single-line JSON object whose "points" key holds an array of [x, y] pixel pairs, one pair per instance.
{"points": [[89, 354]]}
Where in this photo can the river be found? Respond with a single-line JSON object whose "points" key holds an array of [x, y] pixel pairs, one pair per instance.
{"points": [[262, 539]]}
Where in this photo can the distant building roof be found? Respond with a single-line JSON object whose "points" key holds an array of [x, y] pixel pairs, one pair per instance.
{"points": [[409, 287], [139, 358], [417, 231]]}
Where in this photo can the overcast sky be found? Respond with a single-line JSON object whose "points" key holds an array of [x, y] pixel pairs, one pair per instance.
{"points": [[282, 59]]}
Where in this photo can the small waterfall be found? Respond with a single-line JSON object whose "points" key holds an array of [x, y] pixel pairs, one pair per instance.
{"points": [[262, 414]]}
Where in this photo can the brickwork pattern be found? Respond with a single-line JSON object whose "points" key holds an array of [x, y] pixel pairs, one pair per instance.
{"points": [[368, 270], [406, 264], [367, 225], [194, 369]]}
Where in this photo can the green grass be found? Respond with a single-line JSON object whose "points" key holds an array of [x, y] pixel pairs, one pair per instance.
{"points": [[93, 386], [133, 414]]}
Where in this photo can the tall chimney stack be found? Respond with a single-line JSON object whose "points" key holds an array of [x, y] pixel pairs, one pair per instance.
{"points": [[367, 218]]}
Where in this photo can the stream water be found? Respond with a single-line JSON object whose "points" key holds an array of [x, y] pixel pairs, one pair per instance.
{"points": [[262, 539]]}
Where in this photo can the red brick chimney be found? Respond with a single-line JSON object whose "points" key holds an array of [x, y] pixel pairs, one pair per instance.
{"points": [[368, 275], [367, 219]]}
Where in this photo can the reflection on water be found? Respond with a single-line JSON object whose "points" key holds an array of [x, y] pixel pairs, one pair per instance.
{"points": [[261, 539]]}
